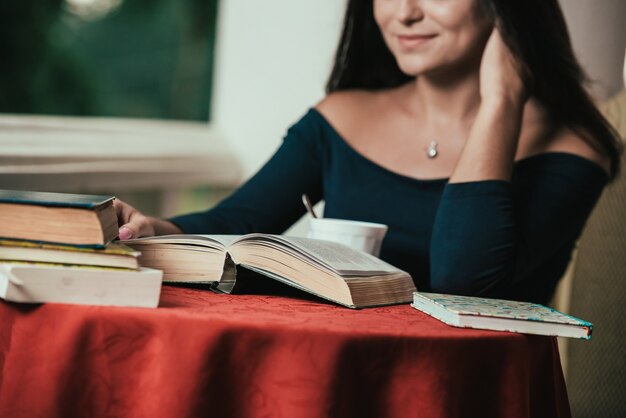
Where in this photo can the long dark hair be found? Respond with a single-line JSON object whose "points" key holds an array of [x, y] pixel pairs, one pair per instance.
{"points": [[536, 32]]}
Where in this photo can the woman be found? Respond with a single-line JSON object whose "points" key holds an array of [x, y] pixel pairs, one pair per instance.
{"points": [[461, 124]]}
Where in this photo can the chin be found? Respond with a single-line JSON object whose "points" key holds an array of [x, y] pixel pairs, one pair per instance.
{"points": [[419, 67], [414, 69]]}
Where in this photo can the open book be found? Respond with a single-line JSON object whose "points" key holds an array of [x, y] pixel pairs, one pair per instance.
{"points": [[327, 269]]}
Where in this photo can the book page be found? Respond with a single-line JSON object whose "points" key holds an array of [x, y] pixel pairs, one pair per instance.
{"points": [[219, 242], [336, 257]]}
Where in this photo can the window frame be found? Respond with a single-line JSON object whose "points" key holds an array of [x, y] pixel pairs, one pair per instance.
{"points": [[87, 154]]}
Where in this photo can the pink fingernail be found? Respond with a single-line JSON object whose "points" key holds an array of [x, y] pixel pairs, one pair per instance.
{"points": [[125, 234]]}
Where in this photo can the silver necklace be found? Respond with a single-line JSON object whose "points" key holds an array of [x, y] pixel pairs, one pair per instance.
{"points": [[431, 151]]}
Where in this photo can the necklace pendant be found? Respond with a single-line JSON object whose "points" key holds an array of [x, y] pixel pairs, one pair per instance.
{"points": [[432, 152]]}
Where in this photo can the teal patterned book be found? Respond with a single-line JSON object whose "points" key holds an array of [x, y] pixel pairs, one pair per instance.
{"points": [[501, 315]]}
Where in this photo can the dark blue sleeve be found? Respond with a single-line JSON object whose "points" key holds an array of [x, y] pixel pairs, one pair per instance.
{"points": [[271, 200], [490, 236]]}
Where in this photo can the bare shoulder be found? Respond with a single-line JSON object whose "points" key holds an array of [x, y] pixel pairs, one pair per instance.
{"points": [[540, 136], [336, 101], [345, 108], [353, 113]]}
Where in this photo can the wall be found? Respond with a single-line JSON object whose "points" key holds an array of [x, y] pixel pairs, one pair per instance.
{"points": [[598, 32], [273, 58]]}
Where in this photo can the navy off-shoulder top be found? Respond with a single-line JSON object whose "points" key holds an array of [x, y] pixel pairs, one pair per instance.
{"points": [[489, 238]]}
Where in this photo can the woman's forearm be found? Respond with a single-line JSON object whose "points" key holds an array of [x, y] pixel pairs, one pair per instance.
{"points": [[489, 151]]}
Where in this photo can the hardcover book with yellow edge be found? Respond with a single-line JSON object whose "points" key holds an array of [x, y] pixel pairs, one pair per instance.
{"points": [[113, 255]]}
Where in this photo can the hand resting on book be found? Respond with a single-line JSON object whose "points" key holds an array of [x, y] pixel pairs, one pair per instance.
{"points": [[134, 224]]}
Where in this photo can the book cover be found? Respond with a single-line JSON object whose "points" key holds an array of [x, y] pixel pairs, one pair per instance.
{"points": [[53, 199], [500, 315]]}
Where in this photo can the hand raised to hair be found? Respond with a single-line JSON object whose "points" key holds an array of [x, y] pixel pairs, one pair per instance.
{"points": [[502, 75]]}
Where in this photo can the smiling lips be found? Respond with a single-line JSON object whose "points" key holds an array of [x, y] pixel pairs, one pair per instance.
{"points": [[413, 41]]}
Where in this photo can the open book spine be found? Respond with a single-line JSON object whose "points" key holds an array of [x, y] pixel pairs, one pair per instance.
{"points": [[227, 282]]}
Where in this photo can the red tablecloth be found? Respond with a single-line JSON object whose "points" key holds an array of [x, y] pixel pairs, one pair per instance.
{"points": [[206, 355]]}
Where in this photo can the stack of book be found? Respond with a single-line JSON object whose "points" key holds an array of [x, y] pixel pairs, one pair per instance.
{"points": [[57, 247]]}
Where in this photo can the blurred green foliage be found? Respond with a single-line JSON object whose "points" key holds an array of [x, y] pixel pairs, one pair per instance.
{"points": [[138, 58]]}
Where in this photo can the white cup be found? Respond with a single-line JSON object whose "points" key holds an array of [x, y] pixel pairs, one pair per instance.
{"points": [[362, 236]]}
